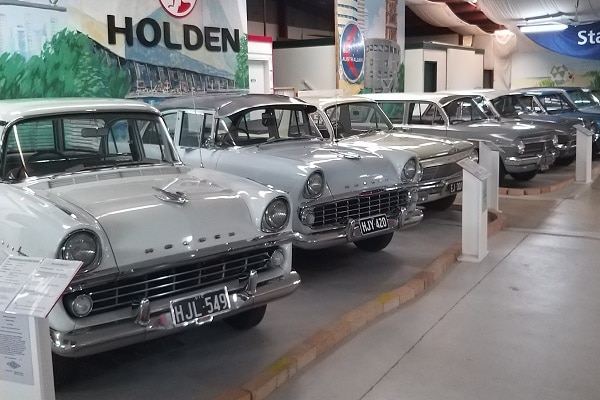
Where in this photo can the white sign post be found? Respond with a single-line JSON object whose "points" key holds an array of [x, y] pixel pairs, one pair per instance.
{"points": [[490, 160], [474, 211], [29, 289], [583, 155]]}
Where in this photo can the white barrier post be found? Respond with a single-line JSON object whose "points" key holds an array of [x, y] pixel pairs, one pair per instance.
{"points": [[474, 211], [583, 155], [490, 160]]}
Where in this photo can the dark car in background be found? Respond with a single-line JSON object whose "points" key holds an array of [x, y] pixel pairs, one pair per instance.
{"points": [[549, 104], [524, 149]]}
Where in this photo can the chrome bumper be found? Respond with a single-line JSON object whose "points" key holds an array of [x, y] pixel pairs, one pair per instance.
{"points": [[145, 327], [530, 163], [352, 233], [435, 190]]}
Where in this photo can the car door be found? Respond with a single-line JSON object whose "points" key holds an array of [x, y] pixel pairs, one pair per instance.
{"points": [[192, 135], [424, 117]]}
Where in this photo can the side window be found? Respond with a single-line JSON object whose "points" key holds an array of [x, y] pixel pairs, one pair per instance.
{"points": [[171, 121], [432, 116], [394, 111], [191, 130]]}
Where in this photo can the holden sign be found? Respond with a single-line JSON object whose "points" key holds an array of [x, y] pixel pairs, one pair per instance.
{"points": [[178, 8]]}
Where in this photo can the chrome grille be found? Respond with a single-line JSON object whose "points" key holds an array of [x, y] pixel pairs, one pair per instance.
{"points": [[440, 172], [538, 147], [174, 280], [367, 204]]}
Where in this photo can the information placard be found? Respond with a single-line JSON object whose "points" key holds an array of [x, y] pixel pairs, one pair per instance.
{"points": [[31, 286], [16, 362]]}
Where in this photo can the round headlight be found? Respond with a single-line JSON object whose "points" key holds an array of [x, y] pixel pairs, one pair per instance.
{"points": [[314, 185], [474, 156], [411, 171], [521, 146], [81, 305], [82, 246], [276, 215]]}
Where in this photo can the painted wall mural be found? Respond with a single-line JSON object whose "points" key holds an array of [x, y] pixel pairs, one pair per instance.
{"points": [[371, 45], [148, 49]]}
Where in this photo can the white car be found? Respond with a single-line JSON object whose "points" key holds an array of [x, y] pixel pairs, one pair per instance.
{"points": [[360, 122], [339, 194], [163, 246]]}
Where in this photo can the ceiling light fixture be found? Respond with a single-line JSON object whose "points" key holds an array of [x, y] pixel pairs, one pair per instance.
{"points": [[549, 27]]}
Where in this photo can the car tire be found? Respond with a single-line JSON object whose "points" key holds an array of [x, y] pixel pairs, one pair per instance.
{"points": [[524, 176], [563, 162], [440, 204], [247, 319], [375, 243], [63, 369]]}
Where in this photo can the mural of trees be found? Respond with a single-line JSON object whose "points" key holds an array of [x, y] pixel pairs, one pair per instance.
{"points": [[67, 66], [242, 78]]}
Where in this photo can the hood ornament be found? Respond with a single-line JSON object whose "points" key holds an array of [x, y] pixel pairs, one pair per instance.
{"points": [[171, 197], [347, 154]]}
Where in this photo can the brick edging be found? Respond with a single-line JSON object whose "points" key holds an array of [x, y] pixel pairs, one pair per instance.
{"points": [[544, 189], [303, 354]]}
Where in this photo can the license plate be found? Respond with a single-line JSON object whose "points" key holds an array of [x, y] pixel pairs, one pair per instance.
{"points": [[373, 224], [455, 187], [199, 307]]}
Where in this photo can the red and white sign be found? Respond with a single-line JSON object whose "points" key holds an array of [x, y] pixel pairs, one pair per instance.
{"points": [[178, 8]]}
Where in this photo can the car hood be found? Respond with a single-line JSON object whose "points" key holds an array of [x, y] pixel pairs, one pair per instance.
{"points": [[143, 222], [286, 165], [424, 146], [508, 130]]}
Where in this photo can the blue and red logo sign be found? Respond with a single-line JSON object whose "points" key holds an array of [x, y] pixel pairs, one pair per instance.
{"points": [[178, 8], [352, 52]]}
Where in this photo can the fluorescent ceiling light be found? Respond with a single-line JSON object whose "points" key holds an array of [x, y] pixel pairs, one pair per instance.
{"points": [[550, 27]]}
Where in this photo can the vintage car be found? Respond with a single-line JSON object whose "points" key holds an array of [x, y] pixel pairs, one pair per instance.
{"points": [[524, 149], [583, 99], [360, 122], [507, 107], [338, 194], [538, 103], [163, 246]]}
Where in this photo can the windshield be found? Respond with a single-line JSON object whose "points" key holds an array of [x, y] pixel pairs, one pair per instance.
{"points": [[70, 143], [266, 124], [582, 98], [464, 110], [352, 119]]}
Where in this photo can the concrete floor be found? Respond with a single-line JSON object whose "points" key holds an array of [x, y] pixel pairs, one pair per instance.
{"points": [[522, 324]]}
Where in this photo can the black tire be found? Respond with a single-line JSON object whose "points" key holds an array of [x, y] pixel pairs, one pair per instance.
{"points": [[247, 319], [63, 369], [524, 176], [375, 243], [441, 204], [564, 161]]}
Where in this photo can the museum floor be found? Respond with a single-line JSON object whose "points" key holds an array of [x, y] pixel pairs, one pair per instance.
{"points": [[521, 324]]}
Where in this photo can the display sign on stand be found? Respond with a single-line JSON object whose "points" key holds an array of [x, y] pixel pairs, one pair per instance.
{"points": [[490, 160], [583, 155], [474, 211], [29, 289]]}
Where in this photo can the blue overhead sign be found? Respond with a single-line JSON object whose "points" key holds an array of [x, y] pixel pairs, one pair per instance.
{"points": [[582, 41]]}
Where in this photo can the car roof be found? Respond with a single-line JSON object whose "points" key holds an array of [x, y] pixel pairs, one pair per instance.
{"points": [[14, 109], [435, 97], [325, 101], [229, 104]]}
